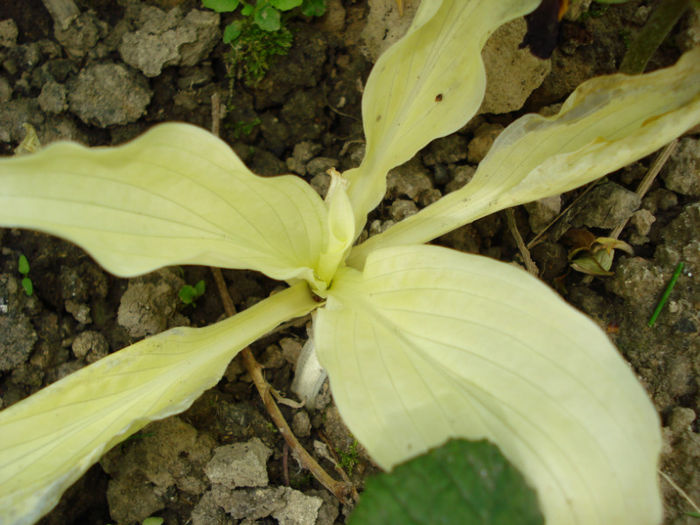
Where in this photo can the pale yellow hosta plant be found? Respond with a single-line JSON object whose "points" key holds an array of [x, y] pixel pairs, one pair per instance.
{"points": [[421, 343]]}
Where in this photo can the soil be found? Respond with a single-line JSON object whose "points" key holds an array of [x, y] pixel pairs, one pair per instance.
{"points": [[304, 117]]}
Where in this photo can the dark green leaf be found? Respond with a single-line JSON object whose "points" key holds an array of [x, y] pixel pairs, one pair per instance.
{"points": [[221, 6], [460, 483], [285, 5], [23, 265], [313, 7], [267, 18], [187, 294], [232, 31], [247, 10]]}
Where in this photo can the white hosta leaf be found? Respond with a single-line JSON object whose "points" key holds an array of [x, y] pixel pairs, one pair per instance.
{"points": [[50, 439], [427, 85], [429, 343], [176, 195], [606, 123]]}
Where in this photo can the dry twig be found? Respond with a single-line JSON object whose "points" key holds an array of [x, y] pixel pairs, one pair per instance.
{"points": [[339, 489]]}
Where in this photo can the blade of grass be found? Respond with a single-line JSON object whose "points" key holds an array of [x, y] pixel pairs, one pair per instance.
{"points": [[667, 292]]}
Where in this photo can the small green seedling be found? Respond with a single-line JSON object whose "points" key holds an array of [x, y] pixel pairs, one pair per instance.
{"points": [[260, 33], [23, 268], [420, 343], [188, 293], [349, 458]]}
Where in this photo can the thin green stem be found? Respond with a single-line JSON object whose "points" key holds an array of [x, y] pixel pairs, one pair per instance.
{"points": [[667, 292]]}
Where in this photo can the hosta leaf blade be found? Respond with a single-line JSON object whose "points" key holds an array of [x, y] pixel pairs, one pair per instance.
{"points": [[606, 123], [429, 344], [176, 195], [427, 85], [51, 438]]}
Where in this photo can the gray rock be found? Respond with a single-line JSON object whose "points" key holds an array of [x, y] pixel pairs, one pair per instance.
{"points": [[321, 183], [446, 150], [17, 338], [52, 98], [429, 196], [408, 180], [659, 199], [90, 346], [680, 420], [638, 281], [512, 73], [684, 228], [288, 506], [291, 348], [81, 35], [682, 172], [108, 94], [641, 221], [542, 212], [303, 152], [149, 302], [402, 208], [320, 165], [79, 311], [606, 206], [240, 465], [301, 424], [299, 509], [170, 453], [384, 26], [328, 512], [460, 175], [154, 45], [483, 139], [8, 33], [14, 114], [252, 504], [206, 27], [208, 512]]}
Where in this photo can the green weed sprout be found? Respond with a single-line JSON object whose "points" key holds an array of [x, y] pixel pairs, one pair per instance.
{"points": [[23, 268], [188, 293], [260, 34]]}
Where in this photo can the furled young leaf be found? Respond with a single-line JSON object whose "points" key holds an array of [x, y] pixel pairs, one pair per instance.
{"points": [[425, 86], [606, 123], [49, 439], [176, 195], [459, 483], [429, 344]]}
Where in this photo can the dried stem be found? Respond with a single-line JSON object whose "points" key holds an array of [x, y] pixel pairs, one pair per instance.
{"points": [[513, 227], [679, 490], [339, 489], [649, 177]]}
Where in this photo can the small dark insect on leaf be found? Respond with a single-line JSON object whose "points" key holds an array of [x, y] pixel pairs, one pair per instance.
{"points": [[543, 27], [438, 97]]}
